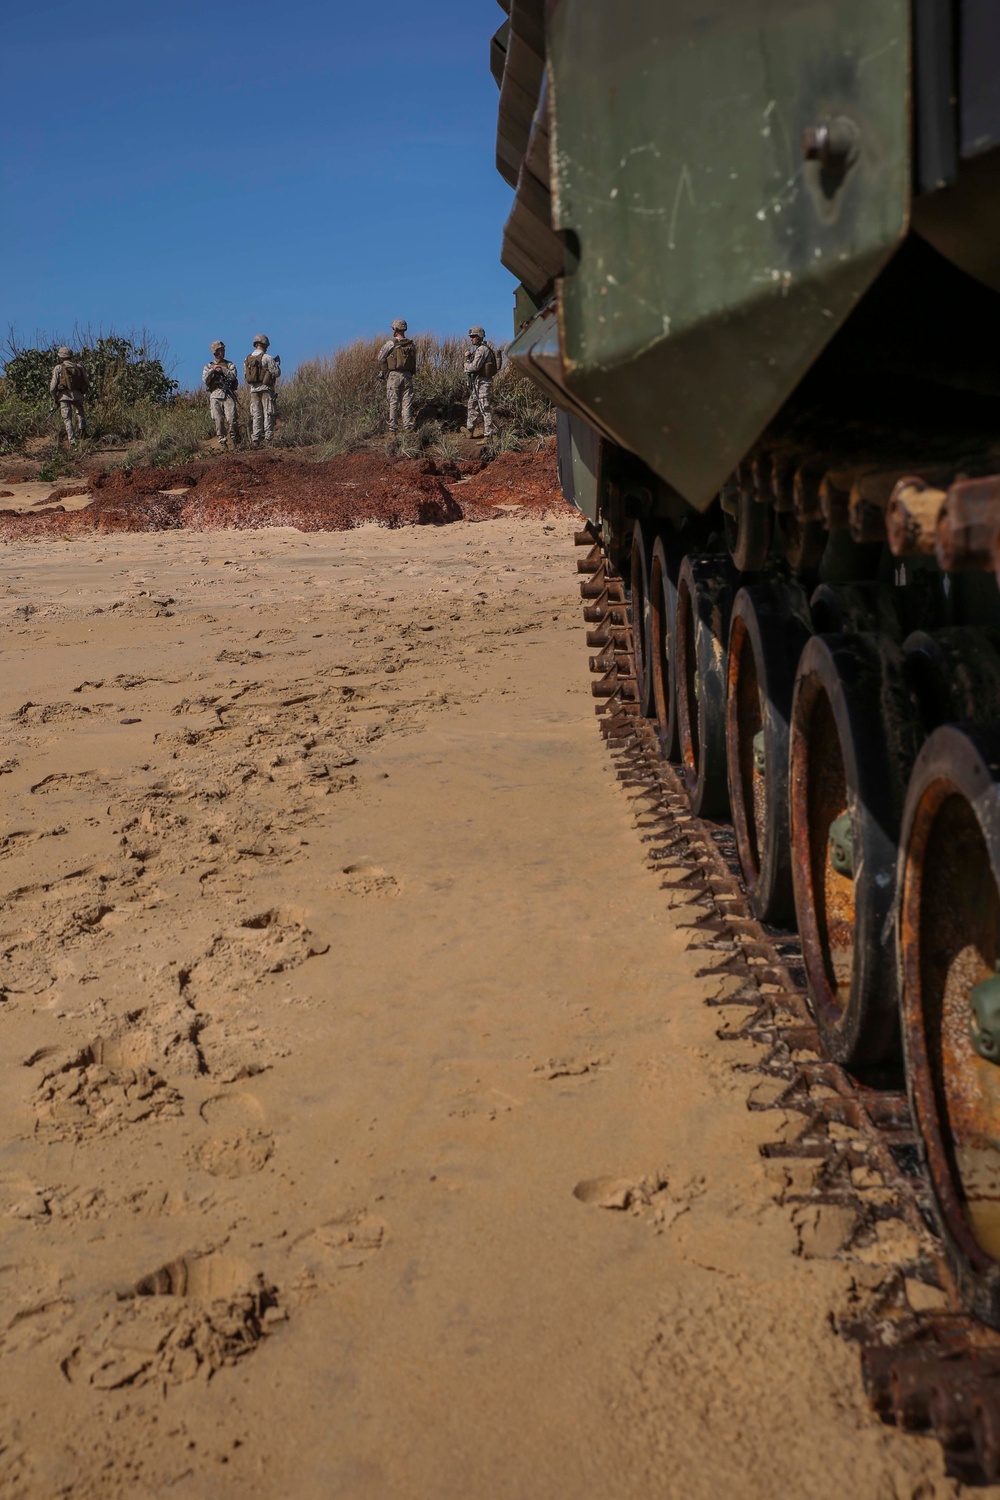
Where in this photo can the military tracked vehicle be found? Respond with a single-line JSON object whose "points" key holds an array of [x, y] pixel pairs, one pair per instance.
{"points": [[758, 243]]}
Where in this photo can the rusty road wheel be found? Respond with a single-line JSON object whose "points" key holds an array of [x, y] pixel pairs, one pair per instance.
{"points": [[854, 738], [643, 536], [766, 637], [663, 571], [704, 600], [949, 944]]}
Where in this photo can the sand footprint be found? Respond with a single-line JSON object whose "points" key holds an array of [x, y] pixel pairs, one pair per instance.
{"points": [[345, 1242], [239, 1143], [650, 1197], [104, 1087], [364, 879], [188, 1318]]}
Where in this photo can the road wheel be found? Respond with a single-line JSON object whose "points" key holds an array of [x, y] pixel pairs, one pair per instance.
{"points": [[854, 737], [949, 943], [641, 557], [704, 600], [663, 571], [766, 637]]}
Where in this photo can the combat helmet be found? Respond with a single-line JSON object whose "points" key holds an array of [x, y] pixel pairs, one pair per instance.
{"points": [[262, 339], [216, 346], [399, 325], [477, 333], [64, 353]]}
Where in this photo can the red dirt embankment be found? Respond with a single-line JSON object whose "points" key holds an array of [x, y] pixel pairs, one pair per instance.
{"points": [[264, 490]]}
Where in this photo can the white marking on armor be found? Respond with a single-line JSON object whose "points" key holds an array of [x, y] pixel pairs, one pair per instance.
{"points": [[638, 150], [879, 52], [683, 181]]}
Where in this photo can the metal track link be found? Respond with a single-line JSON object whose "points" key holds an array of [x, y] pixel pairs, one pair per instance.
{"points": [[852, 1162]]}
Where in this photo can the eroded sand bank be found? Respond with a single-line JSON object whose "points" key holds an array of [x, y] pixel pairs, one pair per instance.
{"points": [[335, 985]]}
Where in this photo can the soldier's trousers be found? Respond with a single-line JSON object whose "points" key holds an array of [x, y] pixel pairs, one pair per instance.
{"points": [[399, 390], [223, 409], [481, 403], [68, 410], [261, 416]]}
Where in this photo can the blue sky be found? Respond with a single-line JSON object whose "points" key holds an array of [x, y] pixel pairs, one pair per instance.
{"points": [[310, 170]]}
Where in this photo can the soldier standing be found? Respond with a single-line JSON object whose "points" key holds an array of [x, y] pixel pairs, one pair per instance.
{"points": [[397, 364], [261, 371], [222, 383], [68, 386], [481, 365]]}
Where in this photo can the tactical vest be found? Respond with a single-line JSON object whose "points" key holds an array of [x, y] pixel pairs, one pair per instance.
{"points": [[403, 356], [491, 364], [72, 378], [256, 371], [218, 378]]}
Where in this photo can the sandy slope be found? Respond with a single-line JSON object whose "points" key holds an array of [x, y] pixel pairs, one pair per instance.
{"points": [[335, 987]]}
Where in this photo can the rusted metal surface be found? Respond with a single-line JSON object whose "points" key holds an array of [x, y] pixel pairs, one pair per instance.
{"points": [[928, 1366], [950, 935], [968, 524], [853, 739], [872, 493], [912, 517]]}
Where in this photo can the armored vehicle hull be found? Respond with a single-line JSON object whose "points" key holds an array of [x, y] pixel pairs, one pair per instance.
{"points": [[758, 243]]}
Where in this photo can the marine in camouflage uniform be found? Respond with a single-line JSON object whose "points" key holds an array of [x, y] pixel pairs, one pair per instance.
{"points": [[397, 363], [68, 386], [480, 367], [222, 383], [261, 371]]}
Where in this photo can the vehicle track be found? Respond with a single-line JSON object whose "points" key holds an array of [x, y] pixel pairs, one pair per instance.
{"points": [[854, 1179]]}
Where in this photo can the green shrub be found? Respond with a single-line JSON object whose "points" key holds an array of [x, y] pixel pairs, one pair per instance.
{"points": [[125, 370], [21, 420]]}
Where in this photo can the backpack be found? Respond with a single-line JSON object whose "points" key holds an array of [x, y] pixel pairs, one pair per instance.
{"points": [[403, 356], [73, 378], [256, 371], [491, 364]]}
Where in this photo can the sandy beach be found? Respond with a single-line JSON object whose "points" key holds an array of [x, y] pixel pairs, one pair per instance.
{"points": [[365, 1129]]}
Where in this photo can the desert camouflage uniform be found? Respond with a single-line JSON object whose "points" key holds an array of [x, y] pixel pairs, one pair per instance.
{"points": [[398, 390], [70, 402], [222, 401], [480, 388], [262, 405]]}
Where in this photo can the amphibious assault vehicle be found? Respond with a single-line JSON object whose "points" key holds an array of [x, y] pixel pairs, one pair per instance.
{"points": [[758, 243]]}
